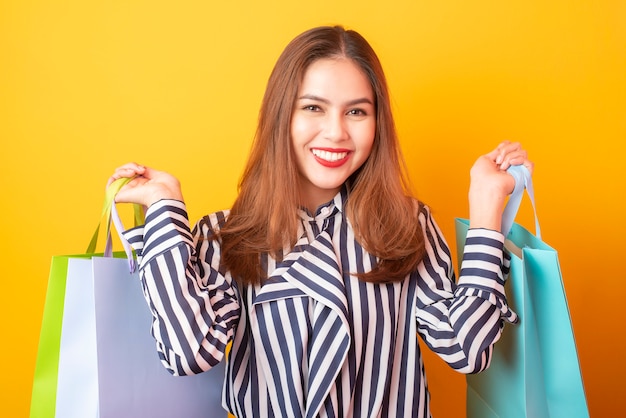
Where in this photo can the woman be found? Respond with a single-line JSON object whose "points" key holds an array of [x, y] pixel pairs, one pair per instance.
{"points": [[325, 269]]}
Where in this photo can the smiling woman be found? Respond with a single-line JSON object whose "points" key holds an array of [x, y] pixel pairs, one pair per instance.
{"points": [[321, 85], [326, 268]]}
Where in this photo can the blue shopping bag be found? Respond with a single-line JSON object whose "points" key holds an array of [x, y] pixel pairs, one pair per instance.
{"points": [[534, 371]]}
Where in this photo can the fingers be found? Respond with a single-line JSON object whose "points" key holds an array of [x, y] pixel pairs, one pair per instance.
{"points": [[511, 153], [127, 171], [146, 186]]}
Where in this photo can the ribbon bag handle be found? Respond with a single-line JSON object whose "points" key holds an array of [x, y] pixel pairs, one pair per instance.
{"points": [[109, 214], [523, 181]]}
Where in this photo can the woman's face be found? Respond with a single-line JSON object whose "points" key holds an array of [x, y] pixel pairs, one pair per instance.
{"points": [[332, 127]]}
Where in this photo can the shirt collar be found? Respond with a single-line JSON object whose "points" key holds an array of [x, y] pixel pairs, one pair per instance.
{"points": [[327, 209]]}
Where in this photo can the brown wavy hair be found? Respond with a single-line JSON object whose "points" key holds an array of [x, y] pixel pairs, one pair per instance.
{"points": [[264, 216]]}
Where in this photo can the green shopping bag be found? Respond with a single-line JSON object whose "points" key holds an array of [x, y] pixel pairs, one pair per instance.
{"points": [[534, 370], [43, 398], [44, 389]]}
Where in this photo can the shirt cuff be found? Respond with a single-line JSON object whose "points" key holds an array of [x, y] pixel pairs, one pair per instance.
{"points": [[167, 226]]}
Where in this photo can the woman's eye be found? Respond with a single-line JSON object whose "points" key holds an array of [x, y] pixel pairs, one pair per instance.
{"points": [[311, 108], [357, 112]]}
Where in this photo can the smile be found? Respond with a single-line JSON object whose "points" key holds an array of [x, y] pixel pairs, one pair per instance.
{"points": [[329, 156]]}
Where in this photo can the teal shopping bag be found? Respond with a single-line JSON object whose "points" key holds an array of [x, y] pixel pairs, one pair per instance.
{"points": [[534, 371]]}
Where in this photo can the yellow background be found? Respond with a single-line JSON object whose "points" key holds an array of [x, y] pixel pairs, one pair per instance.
{"points": [[88, 85]]}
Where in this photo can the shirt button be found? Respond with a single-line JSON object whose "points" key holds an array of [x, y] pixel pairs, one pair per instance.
{"points": [[324, 211]]}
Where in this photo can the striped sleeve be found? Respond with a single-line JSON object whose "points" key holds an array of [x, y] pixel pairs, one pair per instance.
{"points": [[194, 306], [484, 268], [461, 322]]}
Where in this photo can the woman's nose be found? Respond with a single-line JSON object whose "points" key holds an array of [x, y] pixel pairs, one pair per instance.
{"points": [[335, 128]]}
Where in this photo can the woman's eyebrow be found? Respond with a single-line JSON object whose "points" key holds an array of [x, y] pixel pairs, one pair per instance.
{"points": [[323, 100]]}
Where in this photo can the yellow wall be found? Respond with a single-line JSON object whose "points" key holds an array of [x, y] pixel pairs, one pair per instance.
{"points": [[88, 85]]}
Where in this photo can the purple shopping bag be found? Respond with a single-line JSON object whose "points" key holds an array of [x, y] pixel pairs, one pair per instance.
{"points": [[132, 382], [108, 362]]}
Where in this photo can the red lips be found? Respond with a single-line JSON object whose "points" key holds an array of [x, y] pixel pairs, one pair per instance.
{"points": [[331, 157]]}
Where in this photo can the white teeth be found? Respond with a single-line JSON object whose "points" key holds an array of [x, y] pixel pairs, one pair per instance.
{"points": [[329, 156]]}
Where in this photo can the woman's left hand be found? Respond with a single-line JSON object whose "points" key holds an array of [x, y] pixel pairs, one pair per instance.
{"points": [[491, 184]]}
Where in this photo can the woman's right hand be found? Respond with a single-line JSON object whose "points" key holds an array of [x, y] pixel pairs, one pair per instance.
{"points": [[147, 185], [491, 184]]}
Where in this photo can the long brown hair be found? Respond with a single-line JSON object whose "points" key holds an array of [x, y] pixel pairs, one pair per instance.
{"points": [[264, 216]]}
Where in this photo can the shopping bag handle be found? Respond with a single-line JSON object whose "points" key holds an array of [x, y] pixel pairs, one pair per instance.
{"points": [[523, 181], [109, 214]]}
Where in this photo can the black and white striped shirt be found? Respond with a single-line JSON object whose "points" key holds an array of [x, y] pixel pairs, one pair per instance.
{"points": [[314, 341]]}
